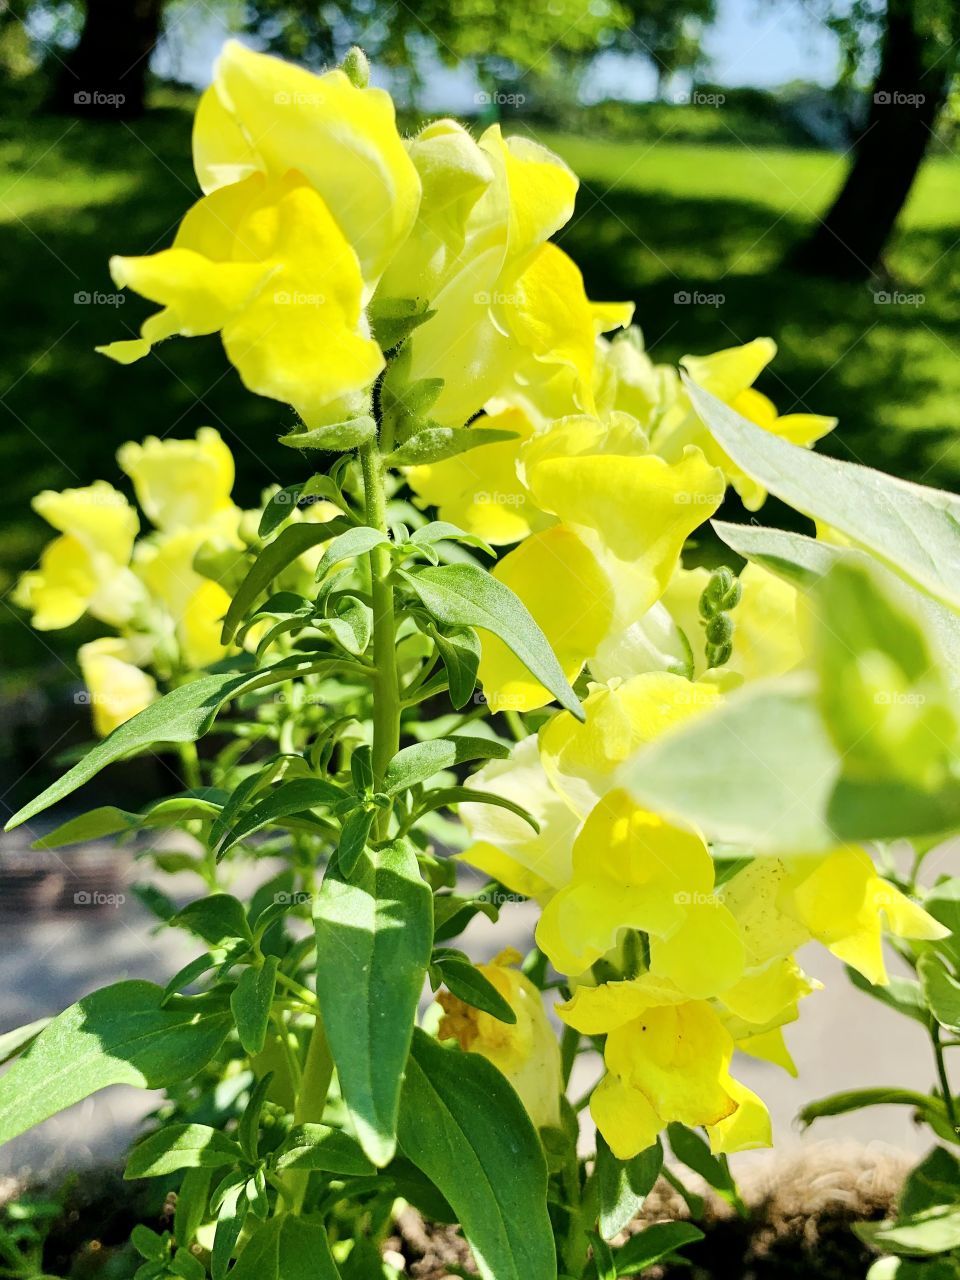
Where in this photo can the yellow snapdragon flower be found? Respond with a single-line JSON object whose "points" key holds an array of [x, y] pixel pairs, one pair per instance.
{"points": [[729, 375], [837, 899], [633, 870], [620, 516], [116, 686], [85, 569], [535, 864], [182, 484], [262, 115], [526, 1052], [264, 264], [667, 1059]]}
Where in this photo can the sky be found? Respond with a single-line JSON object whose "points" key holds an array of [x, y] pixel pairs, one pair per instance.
{"points": [[763, 43]]}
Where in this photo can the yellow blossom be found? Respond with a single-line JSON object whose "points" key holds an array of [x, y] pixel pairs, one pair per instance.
{"points": [[526, 1052], [182, 484], [117, 688]]}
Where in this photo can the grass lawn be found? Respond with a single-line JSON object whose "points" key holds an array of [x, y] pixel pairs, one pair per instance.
{"points": [[652, 221]]}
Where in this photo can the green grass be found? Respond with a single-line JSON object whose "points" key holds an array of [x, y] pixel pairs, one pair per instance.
{"points": [[652, 220]]}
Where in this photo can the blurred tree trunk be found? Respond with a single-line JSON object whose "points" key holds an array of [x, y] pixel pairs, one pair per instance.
{"points": [[105, 75], [911, 87]]}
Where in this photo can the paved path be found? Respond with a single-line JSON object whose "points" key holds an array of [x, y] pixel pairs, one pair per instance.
{"points": [[843, 1039]]}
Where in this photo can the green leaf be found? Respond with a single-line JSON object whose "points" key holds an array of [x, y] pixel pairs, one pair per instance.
{"points": [[841, 1104], [464, 595], [943, 903], [623, 1185], [420, 761], [459, 650], [694, 1152], [463, 1125], [653, 1245], [913, 529], [287, 546], [16, 1041], [122, 1034], [935, 1180], [447, 796], [182, 715], [181, 1146], [802, 561], [305, 1251], [769, 778], [435, 443], [230, 1222], [301, 795], [217, 919], [444, 531], [905, 995], [353, 839], [374, 936], [335, 438], [466, 982], [394, 319], [317, 1146], [248, 1127], [452, 913], [942, 991], [925, 1234], [283, 502], [251, 1002], [192, 1200], [347, 546]]}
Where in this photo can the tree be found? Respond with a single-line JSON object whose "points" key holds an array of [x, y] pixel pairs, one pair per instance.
{"points": [[105, 74], [917, 63]]}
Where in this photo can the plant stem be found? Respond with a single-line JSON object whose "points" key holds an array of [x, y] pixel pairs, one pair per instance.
{"points": [[311, 1101], [386, 684], [190, 765], [944, 1081]]}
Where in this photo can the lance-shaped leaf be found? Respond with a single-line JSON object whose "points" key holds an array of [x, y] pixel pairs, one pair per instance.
{"points": [[122, 1034], [623, 1185], [421, 760], [251, 1002], [349, 545], [299, 796], [182, 715], [464, 595], [914, 529], [374, 934], [289, 543], [336, 437], [317, 1146], [463, 1125], [803, 561], [434, 444], [181, 1146]]}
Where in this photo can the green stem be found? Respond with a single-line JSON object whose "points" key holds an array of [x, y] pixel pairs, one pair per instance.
{"points": [[944, 1081], [311, 1101], [190, 765], [386, 683]]}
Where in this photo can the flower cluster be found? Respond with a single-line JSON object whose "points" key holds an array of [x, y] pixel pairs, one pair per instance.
{"points": [[369, 282]]}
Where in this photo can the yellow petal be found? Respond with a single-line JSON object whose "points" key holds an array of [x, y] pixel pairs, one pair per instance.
{"points": [[480, 490], [180, 483], [597, 1010], [642, 508], [541, 188], [625, 1117], [705, 956], [769, 1046], [201, 624], [726, 373], [526, 1052], [747, 1129], [619, 720], [98, 516], [527, 862], [117, 688], [571, 599], [343, 139], [58, 593]]}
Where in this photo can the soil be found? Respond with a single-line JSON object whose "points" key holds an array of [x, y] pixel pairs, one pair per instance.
{"points": [[799, 1228]]}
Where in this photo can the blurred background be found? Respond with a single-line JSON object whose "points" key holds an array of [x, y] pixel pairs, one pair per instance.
{"points": [[748, 167]]}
